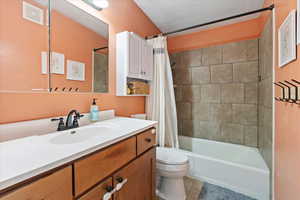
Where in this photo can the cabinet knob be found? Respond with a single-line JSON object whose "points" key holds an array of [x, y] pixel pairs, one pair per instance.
{"points": [[148, 140], [110, 191], [121, 183], [109, 188], [120, 179]]}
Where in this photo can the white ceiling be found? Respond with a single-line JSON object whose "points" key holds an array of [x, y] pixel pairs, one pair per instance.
{"points": [[170, 15], [78, 15]]}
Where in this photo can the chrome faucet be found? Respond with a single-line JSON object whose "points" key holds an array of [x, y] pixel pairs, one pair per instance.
{"points": [[72, 121]]}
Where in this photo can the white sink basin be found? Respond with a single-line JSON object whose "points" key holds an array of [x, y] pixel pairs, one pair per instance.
{"points": [[83, 134]]}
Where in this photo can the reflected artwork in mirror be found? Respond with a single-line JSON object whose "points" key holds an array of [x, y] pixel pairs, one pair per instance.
{"points": [[24, 46], [79, 50]]}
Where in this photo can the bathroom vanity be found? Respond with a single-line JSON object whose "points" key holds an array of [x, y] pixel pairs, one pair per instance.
{"points": [[118, 161]]}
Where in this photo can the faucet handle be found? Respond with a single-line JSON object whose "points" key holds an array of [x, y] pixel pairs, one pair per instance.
{"points": [[61, 119], [61, 124], [78, 115], [76, 118]]}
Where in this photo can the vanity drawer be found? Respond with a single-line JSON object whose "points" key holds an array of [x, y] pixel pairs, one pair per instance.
{"points": [[91, 170], [98, 192], [53, 187], [146, 140]]}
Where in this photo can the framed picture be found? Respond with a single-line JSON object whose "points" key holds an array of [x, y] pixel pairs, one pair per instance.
{"points": [[75, 70], [57, 63], [33, 13], [287, 40]]}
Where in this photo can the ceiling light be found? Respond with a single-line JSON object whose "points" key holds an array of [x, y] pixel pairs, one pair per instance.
{"points": [[101, 3]]}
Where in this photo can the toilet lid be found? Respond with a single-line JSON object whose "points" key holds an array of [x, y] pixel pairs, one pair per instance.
{"points": [[170, 156]]}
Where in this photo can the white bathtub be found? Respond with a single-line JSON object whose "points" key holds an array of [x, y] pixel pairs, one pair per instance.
{"points": [[236, 167]]}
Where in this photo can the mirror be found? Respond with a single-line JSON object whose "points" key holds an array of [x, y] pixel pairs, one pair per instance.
{"points": [[79, 50], [24, 45]]}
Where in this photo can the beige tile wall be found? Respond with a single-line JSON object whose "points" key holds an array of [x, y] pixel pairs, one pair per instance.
{"points": [[217, 91], [265, 93]]}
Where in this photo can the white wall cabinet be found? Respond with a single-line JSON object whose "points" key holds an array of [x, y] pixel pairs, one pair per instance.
{"points": [[147, 62], [135, 55], [134, 60]]}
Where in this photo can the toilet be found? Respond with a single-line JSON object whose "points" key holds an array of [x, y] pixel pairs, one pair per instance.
{"points": [[171, 167]]}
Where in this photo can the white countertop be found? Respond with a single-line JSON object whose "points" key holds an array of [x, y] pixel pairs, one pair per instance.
{"points": [[27, 157]]}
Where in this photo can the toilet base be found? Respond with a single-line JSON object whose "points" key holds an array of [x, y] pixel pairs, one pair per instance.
{"points": [[171, 189]]}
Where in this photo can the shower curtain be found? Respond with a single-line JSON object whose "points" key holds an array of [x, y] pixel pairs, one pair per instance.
{"points": [[161, 104]]}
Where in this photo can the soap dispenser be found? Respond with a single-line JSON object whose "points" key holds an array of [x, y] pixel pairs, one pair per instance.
{"points": [[94, 112]]}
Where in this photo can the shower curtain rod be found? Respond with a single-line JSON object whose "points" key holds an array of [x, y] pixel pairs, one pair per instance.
{"points": [[97, 49], [271, 7]]}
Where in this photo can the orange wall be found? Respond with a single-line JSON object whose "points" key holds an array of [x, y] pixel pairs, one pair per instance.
{"points": [[287, 128], [19, 56], [121, 15], [245, 30], [230, 33], [264, 15], [76, 42]]}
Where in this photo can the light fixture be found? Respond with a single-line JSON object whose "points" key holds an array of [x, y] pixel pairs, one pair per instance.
{"points": [[101, 3]]}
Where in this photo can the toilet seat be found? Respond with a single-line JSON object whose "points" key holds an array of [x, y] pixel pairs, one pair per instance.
{"points": [[172, 168], [169, 156]]}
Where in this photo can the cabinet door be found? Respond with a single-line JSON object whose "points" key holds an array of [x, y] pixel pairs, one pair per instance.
{"points": [[148, 69], [140, 177], [134, 68], [146, 176], [147, 61], [53, 187]]}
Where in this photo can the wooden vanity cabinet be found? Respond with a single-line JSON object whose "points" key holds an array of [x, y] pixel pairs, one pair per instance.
{"points": [[92, 169], [52, 187], [138, 175], [91, 177]]}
